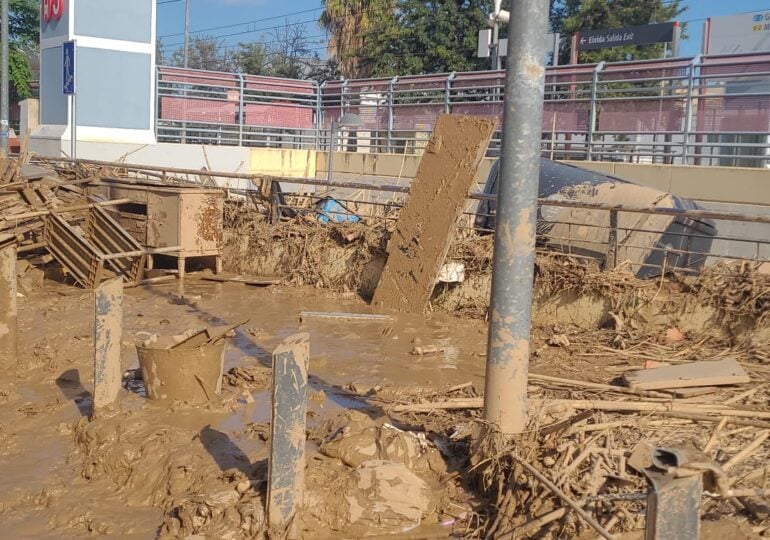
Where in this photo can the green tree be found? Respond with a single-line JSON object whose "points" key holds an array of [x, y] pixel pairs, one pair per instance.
{"points": [[251, 58], [348, 22], [427, 36], [24, 30], [289, 52], [205, 53], [569, 16]]}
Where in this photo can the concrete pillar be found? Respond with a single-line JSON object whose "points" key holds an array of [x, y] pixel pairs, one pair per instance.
{"points": [[108, 330], [30, 117], [286, 475], [8, 310]]}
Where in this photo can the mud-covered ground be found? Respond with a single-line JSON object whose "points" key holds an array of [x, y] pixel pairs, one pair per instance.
{"points": [[121, 475], [374, 467]]}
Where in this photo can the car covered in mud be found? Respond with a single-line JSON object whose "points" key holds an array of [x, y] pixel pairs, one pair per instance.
{"points": [[649, 243]]}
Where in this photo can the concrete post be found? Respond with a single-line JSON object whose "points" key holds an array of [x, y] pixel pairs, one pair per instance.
{"points": [[505, 394], [108, 331], [8, 311], [286, 475]]}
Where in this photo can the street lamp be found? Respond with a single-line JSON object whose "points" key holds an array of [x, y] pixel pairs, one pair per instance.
{"points": [[346, 121]]}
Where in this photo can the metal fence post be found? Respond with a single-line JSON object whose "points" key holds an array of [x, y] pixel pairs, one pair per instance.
{"points": [[447, 90], [593, 109], [157, 100], [688, 110], [389, 135], [510, 312], [241, 108], [318, 90]]}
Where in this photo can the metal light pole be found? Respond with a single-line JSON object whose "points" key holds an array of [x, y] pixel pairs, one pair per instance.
{"points": [[4, 88], [505, 394], [186, 30], [347, 121]]}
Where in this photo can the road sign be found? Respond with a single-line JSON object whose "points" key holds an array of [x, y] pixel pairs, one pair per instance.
{"points": [[734, 34], [590, 40], [485, 44], [68, 64]]}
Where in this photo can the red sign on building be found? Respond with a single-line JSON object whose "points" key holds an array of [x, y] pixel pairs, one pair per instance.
{"points": [[52, 10]]}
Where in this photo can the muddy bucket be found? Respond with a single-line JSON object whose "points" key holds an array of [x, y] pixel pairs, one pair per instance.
{"points": [[190, 374]]}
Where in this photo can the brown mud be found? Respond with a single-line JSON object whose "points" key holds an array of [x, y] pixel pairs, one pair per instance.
{"points": [[175, 470]]}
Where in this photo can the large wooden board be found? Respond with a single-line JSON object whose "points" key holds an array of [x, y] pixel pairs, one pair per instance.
{"points": [[709, 373], [427, 221]]}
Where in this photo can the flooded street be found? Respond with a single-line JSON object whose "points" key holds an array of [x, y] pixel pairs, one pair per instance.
{"points": [[44, 491]]}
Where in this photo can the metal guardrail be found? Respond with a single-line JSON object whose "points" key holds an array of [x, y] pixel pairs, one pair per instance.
{"points": [[380, 202], [706, 110]]}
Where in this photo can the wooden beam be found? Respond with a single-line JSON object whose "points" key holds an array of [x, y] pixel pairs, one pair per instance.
{"points": [[427, 222]]}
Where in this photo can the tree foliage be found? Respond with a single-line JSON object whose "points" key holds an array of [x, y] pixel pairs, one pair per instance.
{"points": [[285, 52], [427, 36], [349, 22], [569, 16], [24, 37]]}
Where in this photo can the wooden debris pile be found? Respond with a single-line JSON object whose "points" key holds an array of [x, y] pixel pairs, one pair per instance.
{"points": [[736, 290], [27, 197], [575, 471]]}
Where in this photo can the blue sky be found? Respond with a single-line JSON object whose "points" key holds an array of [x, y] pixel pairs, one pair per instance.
{"points": [[235, 21]]}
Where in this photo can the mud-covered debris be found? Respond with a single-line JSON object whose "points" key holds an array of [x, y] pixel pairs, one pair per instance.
{"points": [[249, 376], [383, 495], [559, 340], [258, 431], [355, 438], [674, 335], [427, 350]]}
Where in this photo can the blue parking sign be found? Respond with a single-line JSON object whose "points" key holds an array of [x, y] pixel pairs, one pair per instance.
{"points": [[68, 64]]}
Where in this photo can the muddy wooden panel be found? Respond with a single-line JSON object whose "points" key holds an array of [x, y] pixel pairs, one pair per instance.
{"points": [[8, 309], [162, 219], [108, 330], [287, 438], [710, 373], [201, 216], [427, 222]]}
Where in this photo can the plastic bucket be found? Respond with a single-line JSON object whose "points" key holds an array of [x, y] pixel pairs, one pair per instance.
{"points": [[188, 375]]}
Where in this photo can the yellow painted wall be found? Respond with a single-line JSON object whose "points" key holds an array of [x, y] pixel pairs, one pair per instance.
{"points": [[719, 184], [283, 162]]}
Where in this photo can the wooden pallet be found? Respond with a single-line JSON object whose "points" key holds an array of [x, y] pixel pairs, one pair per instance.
{"points": [[101, 244]]}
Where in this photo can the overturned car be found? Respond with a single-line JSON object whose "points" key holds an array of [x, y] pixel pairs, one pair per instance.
{"points": [[650, 243]]}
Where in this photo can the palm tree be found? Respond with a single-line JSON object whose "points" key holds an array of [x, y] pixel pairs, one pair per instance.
{"points": [[348, 22]]}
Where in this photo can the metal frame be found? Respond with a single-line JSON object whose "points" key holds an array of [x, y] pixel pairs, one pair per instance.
{"points": [[671, 111]]}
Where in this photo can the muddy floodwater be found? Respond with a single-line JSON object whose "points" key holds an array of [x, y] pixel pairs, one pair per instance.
{"points": [[61, 478]]}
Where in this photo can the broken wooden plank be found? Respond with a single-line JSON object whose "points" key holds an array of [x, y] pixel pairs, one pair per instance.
{"points": [[709, 373], [206, 336], [339, 316], [694, 391], [257, 281], [151, 281], [427, 222], [666, 409]]}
